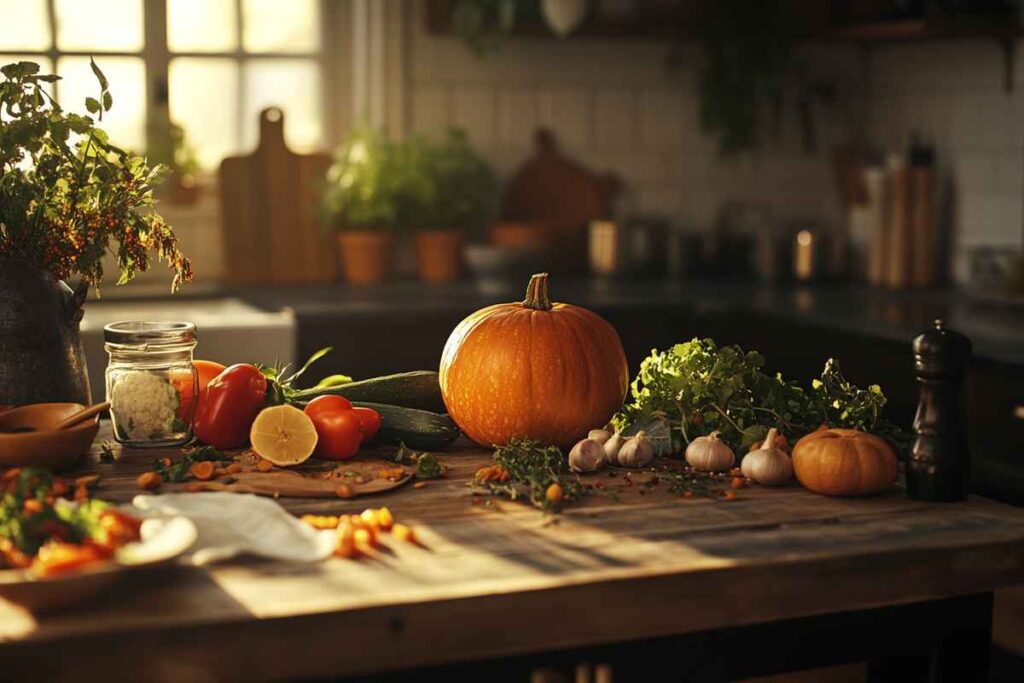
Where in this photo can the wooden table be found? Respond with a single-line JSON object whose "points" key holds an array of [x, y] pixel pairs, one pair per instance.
{"points": [[713, 589]]}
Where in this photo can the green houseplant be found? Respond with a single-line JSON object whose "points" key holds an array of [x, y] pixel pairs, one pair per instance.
{"points": [[68, 197], [453, 194], [361, 202]]}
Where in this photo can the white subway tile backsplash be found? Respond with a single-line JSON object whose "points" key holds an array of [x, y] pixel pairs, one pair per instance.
{"points": [[988, 218], [473, 110], [615, 118], [662, 119], [1009, 172], [567, 111], [430, 108], [518, 117]]}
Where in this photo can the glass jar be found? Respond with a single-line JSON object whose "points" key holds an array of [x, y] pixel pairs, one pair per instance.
{"points": [[151, 382]]}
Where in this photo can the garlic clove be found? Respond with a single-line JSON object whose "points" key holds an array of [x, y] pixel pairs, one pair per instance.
{"points": [[599, 435], [612, 446], [709, 454], [586, 456], [769, 465], [638, 451]]}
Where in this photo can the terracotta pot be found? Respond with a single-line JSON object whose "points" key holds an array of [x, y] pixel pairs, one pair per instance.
{"points": [[365, 255], [41, 357], [439, 255], [539, 237]]}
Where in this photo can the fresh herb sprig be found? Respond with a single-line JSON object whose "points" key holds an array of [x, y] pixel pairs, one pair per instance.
{"points": [[69, 197], [178, 470], [533, 468], [696, 387]]}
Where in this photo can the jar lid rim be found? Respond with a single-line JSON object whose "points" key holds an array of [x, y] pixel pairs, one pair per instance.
{"points": [[149, 332]]}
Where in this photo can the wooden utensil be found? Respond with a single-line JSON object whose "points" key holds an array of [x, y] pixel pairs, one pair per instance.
{"points": [[45, 445], [83, 416]]}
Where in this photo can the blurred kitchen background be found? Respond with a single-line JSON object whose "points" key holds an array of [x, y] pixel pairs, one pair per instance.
{"points": [[804, 177]]}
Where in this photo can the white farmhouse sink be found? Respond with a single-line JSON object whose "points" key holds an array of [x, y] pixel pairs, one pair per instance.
{"points": [[229, 330]]}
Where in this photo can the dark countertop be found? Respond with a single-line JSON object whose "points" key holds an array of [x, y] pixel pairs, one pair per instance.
{"points": [[996, 331]]}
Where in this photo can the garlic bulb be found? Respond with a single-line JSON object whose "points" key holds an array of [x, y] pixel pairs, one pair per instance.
{"points": [[638, 451], [769, 465], [612, 446], [709, 454], [586, 456], [599, 435]]}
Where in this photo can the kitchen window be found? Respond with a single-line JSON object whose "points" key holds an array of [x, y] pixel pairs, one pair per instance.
{"points": [[208, 66]]}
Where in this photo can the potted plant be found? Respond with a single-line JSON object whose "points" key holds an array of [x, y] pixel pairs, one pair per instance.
{"points": [[453, 194], [175, 152], [68, 196], [360, 202]]}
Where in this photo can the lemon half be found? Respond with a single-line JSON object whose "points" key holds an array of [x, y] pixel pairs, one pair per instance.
{"points": [[284, 435]]}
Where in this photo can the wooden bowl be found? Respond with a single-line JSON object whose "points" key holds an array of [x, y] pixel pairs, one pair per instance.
{"points": [[46, 447]]}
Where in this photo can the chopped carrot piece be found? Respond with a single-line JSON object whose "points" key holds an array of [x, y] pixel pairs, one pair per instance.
{"points": [[420, 485], [203, 471], [234, 468], [385, 520], [343, 491], [146, 481], [264, 466], [32, 506], [369, 518], [88, 480], [404, 533]]}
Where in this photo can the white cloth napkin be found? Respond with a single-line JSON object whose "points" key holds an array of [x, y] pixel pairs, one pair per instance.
{"points": [[233, 524]]}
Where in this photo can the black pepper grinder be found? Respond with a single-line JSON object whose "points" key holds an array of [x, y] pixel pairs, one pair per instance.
{"points": [[939, 467]]}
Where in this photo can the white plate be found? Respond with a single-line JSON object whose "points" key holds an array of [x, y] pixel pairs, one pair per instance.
{"points": [[163, 540]]}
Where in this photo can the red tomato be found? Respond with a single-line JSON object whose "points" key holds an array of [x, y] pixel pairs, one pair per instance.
{"points": [[327, 404], [228, 406], [369, 419], [339, 434], [206, 370]]}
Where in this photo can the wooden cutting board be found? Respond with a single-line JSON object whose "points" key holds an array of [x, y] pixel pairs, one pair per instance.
{"points": [[271, 227], [554, 190], [366, 474]]}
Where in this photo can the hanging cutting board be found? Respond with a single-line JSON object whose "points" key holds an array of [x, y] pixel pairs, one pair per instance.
{"points": [[271, 227], [552, 189], [548, 204]]}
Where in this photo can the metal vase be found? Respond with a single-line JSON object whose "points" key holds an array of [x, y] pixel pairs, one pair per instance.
{"points": [[41, 357]]}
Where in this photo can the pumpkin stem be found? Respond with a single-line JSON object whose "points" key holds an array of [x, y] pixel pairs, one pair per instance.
{"points": [[537, 297]]}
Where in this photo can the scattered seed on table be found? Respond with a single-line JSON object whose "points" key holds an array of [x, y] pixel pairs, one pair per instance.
{"points": [[420, 485]]}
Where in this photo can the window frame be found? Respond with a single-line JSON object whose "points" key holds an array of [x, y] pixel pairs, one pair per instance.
{"points": [[156, 57]]}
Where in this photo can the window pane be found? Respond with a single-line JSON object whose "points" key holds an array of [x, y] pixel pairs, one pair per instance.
{"points": [[204, 101], [281, 25], [202, 26], [23, 25], [294, 86], [126, 121], [102, 25]]}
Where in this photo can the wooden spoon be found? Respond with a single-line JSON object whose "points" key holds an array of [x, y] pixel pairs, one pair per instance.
{"points": [[82, 416]]}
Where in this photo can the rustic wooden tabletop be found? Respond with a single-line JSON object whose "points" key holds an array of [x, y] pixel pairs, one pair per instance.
{"points": [[501, 578]]}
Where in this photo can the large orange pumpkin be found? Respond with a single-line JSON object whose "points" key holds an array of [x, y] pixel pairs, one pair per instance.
{"points": [[533, 369], [844, 462]]}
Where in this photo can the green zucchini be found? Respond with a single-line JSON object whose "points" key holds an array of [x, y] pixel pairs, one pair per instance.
{"points": [[417, 429], [419, 389]]}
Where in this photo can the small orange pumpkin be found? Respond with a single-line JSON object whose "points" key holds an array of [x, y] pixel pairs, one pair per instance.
{"points": [[844, 462], [533, 369]]}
